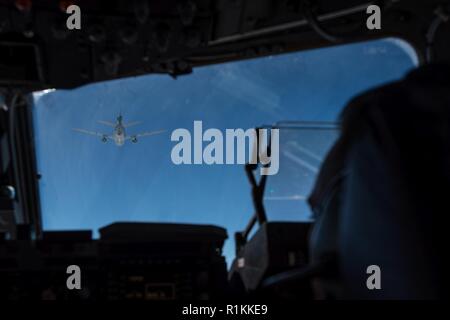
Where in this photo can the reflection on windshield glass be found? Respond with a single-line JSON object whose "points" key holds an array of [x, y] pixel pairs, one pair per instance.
{"points": [[303, 147], [88, 181]]}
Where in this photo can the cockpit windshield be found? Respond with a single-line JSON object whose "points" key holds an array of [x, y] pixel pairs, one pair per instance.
{"points": [[105, 151]]}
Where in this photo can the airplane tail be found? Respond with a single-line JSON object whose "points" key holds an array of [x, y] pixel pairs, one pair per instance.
{"points": [[131, 124], [107, 123]]}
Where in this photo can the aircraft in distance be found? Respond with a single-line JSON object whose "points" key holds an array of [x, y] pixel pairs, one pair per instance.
{"points": [[119, 135]]}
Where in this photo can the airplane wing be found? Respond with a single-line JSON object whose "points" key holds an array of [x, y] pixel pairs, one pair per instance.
{"points": [[107, 123], [131, 124], [92, 133], [144, 134], [151, 133]]}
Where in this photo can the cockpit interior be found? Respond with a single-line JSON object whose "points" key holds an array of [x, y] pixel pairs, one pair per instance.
{"points": [[229, 150]]}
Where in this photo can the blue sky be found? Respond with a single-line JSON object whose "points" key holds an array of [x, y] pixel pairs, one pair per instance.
{"points": [[87, 184]]}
